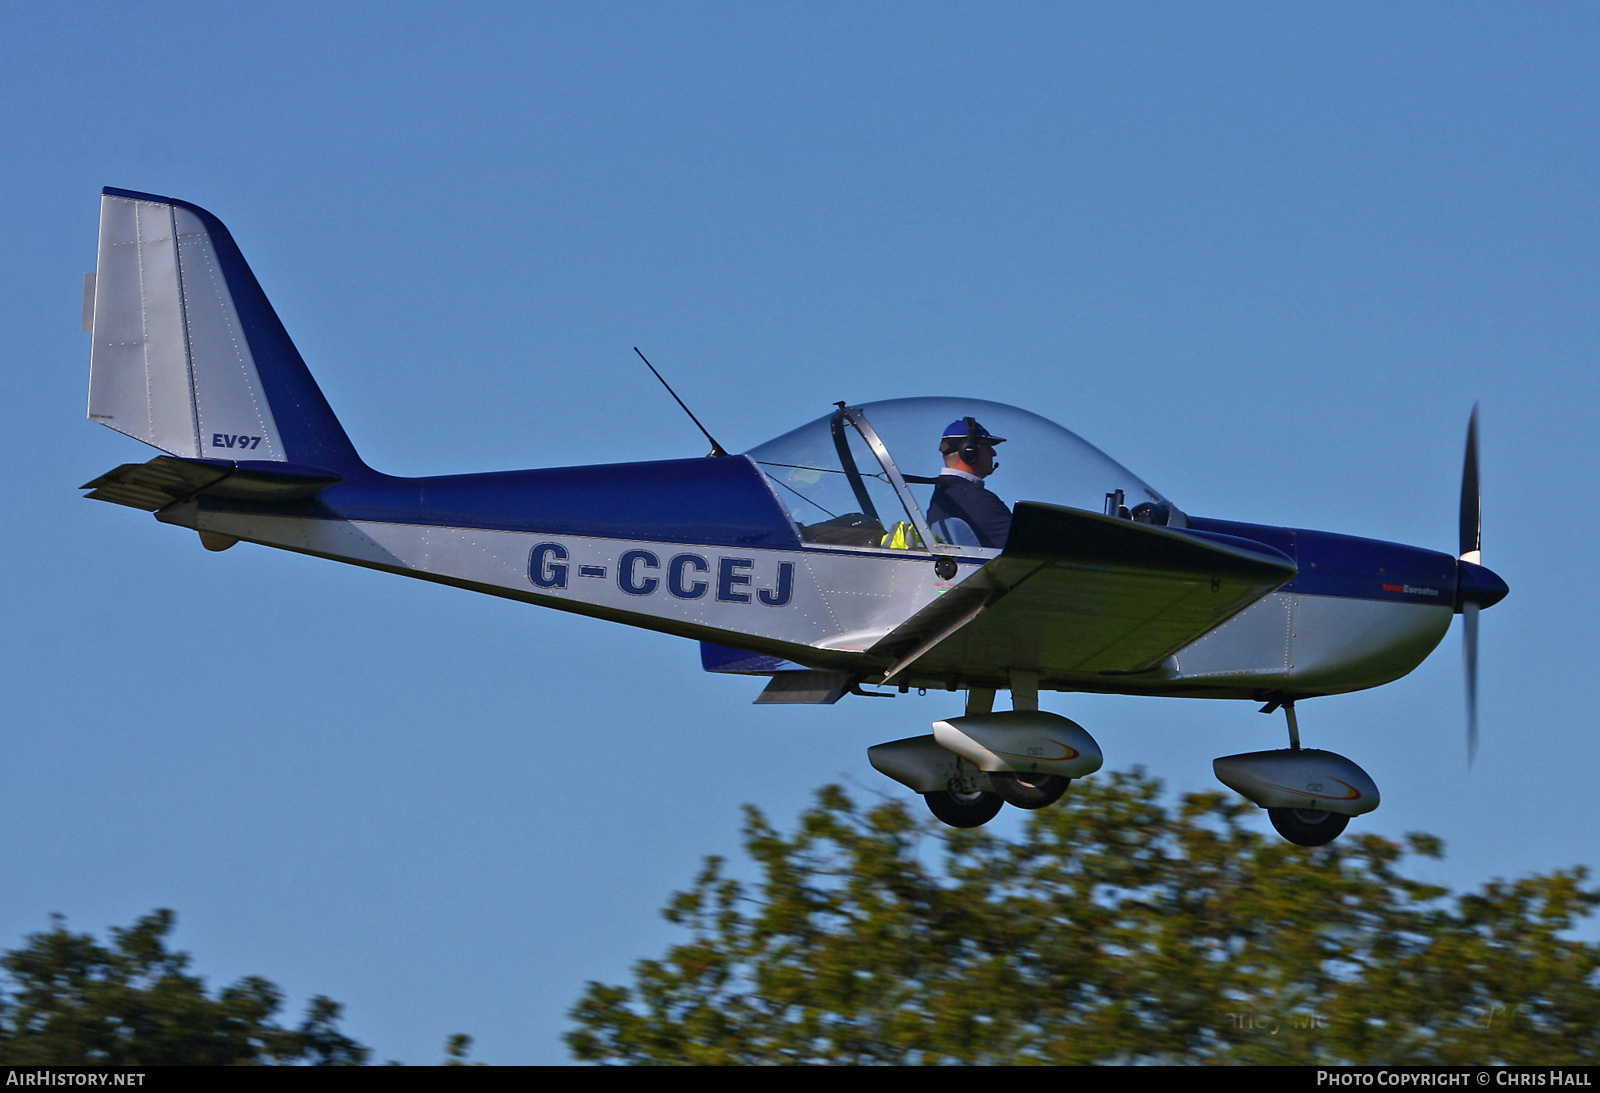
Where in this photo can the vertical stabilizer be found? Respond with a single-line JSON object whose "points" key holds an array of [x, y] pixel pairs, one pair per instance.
{"points": [[188, 354]]}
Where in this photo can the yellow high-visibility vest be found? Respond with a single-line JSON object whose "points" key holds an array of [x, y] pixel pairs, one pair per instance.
{"points": [[903, 537]]}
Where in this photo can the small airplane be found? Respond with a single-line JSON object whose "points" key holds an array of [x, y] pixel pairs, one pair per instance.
{"points": [[816, 560]]}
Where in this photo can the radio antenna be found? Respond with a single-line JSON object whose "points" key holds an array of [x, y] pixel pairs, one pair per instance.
{"points": [[717, 450]]}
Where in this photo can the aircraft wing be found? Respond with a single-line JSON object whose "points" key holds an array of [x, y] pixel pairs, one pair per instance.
{"points": [[1078, 593]]}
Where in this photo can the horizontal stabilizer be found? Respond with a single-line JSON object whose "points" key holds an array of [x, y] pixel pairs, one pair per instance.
{"points": [[1077, 593], [166, 480]]}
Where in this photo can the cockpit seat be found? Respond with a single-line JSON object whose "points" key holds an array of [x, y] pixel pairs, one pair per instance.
{"points": [[956, 532], [851, 529]]}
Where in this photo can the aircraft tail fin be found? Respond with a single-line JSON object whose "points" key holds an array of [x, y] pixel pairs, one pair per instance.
{"points": [[189, 355]]}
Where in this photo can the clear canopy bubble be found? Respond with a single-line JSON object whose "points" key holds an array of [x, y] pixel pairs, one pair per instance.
{"points": [[828, 472]]}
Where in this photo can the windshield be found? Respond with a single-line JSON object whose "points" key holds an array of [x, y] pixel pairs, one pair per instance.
{"points": [[811, 470]]}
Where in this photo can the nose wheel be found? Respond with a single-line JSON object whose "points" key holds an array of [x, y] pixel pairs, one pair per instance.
{"points": [[1309, 794], [1307, 827]]}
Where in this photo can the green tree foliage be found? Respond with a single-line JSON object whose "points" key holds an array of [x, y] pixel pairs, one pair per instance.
{"points": [[1114, 930], [70, 1001]]}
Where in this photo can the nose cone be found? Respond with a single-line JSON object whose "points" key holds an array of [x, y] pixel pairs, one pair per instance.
{"points": [[1475, 584]]}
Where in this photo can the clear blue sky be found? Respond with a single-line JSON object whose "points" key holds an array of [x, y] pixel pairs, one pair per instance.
{"points": [[1267, 256]]}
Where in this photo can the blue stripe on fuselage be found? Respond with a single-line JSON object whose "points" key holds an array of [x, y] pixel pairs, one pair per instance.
{"points": [[1349, 567], [709, 502]]}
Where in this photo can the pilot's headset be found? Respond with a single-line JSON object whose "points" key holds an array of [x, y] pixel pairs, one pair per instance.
{"points": [[973, 441]]}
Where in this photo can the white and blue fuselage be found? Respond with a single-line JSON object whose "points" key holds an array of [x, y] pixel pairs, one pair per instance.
{"points": [[809, 559], [702, 549]]}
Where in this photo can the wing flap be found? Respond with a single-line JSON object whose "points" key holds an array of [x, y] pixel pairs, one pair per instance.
{"points": [[1078, 593]]}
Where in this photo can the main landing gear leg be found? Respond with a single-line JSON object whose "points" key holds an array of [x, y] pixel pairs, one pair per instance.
{"points": [[965, 804], [1021, 790], [954, 769]]}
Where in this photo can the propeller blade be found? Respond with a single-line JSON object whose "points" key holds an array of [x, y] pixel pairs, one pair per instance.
{"points": [[1469, 620], [1471, 498]]}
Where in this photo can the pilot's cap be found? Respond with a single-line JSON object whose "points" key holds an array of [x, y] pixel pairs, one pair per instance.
{"points": [[958, 433]]}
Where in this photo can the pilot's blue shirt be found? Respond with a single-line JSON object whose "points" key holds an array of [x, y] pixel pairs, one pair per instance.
{"points": [[959, 496]]}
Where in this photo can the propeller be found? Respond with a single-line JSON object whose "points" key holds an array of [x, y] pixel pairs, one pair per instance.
{"points": [[1469, 631], [1471, 552], [1476, 587], [1471, 498]]}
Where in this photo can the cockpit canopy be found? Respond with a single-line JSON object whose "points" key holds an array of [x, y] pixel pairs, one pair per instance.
{"points": [[857, 476]]}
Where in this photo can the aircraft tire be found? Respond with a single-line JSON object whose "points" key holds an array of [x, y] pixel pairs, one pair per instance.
{"points": [[963, 809], [1029, 791], [1308, 827]]}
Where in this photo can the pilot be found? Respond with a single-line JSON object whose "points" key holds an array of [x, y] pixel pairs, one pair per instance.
{"points": [[962, 511]]}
